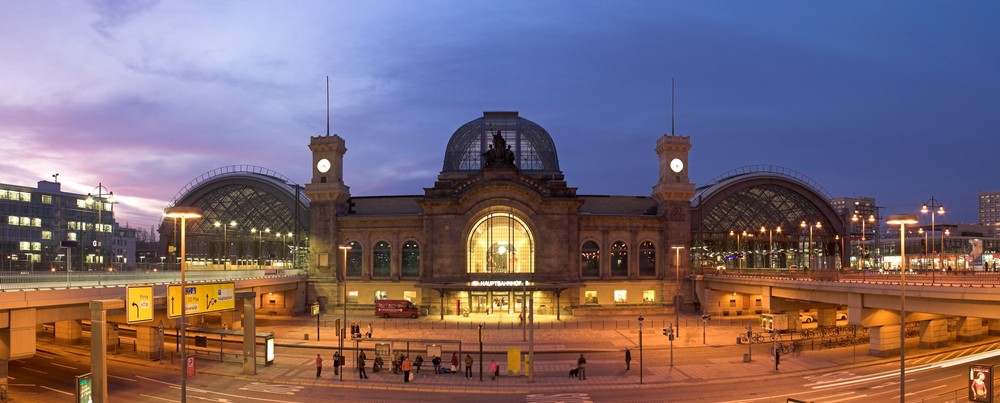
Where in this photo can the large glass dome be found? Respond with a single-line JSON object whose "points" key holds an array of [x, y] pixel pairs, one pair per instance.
{"points": [[532, 146]]}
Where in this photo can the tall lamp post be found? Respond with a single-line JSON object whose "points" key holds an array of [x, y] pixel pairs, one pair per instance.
{"points": [[770, 244], [343, 330], [640, 348], [260, 244], [677, 296], [810, 226], [861, 245], [943, 235], [225, 241], [184, 213], [924, 258], [932, 207], [739, 250], [100, 221], [902, 220]]}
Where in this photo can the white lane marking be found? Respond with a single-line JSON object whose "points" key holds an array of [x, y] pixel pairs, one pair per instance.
{"points": [[122, 378], [272, 388], [56, 390], [35, 370], [64, 366], [929, 389], [175, 386], [157, 397], [20, 384]]}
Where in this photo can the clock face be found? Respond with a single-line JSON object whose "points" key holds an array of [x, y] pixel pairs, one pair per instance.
{"points": [[323, 165], [677, 165]]}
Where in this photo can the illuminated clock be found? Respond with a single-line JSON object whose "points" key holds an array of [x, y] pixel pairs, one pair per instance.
{"points": [[677, 165], [323, 165]]}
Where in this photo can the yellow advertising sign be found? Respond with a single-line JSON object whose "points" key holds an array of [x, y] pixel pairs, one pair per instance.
{"points": [[139, 303], [200, 298]]}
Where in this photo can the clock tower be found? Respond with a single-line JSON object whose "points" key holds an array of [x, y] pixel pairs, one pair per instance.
{"points": [[673, 194], [674, 184], [328, 197]]}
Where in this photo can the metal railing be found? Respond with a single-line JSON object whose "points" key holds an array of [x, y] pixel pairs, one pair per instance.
{"points": [[10, 281]]}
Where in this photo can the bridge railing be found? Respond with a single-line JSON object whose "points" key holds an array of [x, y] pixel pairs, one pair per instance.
{"points": [[46, 280], [967, 278]]}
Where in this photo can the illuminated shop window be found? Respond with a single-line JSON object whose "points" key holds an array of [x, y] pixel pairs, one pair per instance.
{"points": [[621, 297], [648, 296], [590, 297]]}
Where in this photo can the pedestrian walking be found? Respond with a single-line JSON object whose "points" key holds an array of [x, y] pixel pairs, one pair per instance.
{"points": [[361, 365], [581, 364], [437, 364], [494, 369], [468, 366], [454, 362], [417, 362], [628, 358], [319, 365], [336, 363], [406, 369], [369, 334]]}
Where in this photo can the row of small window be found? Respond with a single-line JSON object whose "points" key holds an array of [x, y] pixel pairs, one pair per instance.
{"points": [[382, 258], [620, 297], [352, 295], [29, 246], [590, 259], [88, 226], [24, 221], [82, 203], [16, 195]]}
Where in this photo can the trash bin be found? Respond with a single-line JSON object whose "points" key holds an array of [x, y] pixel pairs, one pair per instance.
{"points": [[738, 340], [746, 357]]}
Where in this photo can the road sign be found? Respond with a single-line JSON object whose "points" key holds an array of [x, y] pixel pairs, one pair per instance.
{"points": [[139, 303], [200, 298], [191, 369]]}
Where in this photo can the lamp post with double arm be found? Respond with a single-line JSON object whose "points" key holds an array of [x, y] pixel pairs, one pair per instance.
{"points": [[902, 220], [184, 213]]}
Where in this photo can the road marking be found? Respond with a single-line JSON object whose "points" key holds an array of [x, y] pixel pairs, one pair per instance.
{"points": [[35, 370], [122, 378], [56, 390], [64, 366], [21, 384], [156, 397], [175, 386], [559, 397], [272, 388]]}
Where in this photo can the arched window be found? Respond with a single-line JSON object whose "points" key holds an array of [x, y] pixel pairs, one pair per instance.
{"points": [[354, 259], [381, 259], [411, 259], [647, 259], [590, 259], [619, 259], [500, 243]]}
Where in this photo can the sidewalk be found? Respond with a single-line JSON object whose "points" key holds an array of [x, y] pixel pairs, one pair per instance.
{"points": [[706, 354]]}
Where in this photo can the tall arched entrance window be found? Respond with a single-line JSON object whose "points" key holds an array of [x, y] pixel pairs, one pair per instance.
{"points": [[381, 259], [500, 243], [647, 259], [619, 259], [354, 257], [411, 259], [590, 259]]}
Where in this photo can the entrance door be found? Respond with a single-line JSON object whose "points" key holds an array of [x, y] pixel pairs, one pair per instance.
{"points": [[480, 303]]}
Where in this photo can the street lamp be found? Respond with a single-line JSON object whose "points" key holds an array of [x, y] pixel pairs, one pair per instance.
{"points": [[101, 200], [640, 347], [677, 296], [817, 225], [924, 259], [946, 233], [902, 220], [856, 218], [184, 213], [225, 241], [343, 330], [770, 244], [260, 244], [931, 207], [739, 250]]}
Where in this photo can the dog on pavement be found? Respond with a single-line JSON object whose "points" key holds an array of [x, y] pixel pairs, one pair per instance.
{"points": [[574, 373]]}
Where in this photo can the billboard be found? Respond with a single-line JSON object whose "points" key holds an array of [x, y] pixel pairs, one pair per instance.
{"points": [[200, 298], [980, 383]]}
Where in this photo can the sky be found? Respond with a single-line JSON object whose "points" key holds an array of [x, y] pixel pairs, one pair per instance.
{"points": [[894, 100]]}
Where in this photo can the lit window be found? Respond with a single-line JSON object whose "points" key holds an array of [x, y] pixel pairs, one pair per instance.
{"points": [[36, 222], [590, 297], [409, 295], [24, 245], [648, 296], [46, 234], [11, 220], [47, 199], [352, 297], [381, 294], [621, 296]]}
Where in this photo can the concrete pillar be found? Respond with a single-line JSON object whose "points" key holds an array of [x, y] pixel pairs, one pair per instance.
{"points": [[794, 324], [111, 338], [826, 317], [249, 333], [994, 327], [69, 332], [98, 356], [17, 339], [884, 341], [149, 343], [231, 319], [970, 329], [934, 333]]}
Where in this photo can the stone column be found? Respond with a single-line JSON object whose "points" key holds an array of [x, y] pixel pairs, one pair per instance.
{"points": [[884, 340], [934, 333], [994, 327], [69, 332], [826, 317], [249, 334], [970, 329], [148, 343]]}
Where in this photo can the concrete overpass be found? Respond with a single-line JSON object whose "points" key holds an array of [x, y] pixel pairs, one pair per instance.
{"points": [[64, 300], [871, 301]]}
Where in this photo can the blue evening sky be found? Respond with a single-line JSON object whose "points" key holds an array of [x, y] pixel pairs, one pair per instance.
{"points": [[887, 99]]}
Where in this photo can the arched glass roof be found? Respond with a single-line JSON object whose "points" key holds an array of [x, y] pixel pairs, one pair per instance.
{"points": [[533, 148]]}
